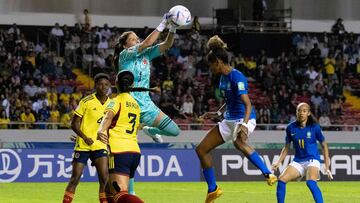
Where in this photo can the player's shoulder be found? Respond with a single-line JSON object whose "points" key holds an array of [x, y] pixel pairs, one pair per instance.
{"points": [[88, 98], [292, 125], [236, 74]]}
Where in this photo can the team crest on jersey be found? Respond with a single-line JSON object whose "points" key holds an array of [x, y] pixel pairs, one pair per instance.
{"points": [[111, 104], [241, 86], [308, 135], [145, 61]]}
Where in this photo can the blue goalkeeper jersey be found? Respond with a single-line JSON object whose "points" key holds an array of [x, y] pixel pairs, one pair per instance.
{"points": [[232, 86], [304, 140], [139, 64]]}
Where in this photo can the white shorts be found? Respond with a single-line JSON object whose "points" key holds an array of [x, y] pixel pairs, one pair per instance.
{"points": [[304, 165], [229, 127]]}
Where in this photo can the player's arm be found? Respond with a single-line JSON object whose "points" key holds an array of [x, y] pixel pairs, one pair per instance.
{"points": [[284, 152], [75, 126], [104, 127], [168, 42], [154, 35], [213, 114], [325, 151]]}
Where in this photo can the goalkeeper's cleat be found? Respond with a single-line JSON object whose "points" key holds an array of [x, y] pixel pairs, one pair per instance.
{"points": [[157, 138], [212, 196], [271, 179]]}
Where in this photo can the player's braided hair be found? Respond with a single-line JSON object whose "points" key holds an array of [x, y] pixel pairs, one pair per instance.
{"points": [[217, 50], [125, 80]]}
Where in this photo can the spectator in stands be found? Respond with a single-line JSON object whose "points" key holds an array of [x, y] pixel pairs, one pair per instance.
{"points": [[56, 31], [195, 26], [54, 116], [30, 88], [4, 120], [28, 118], [324, 121], [103, 44], [5, 104], [316, 100], [338, 28], [85, 18], [188, 106], [14, 30], [106, 32]]}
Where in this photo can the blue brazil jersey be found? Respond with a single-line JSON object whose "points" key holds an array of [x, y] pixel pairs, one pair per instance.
{"points": [[232, 86], [304, 140], [139, 64]]}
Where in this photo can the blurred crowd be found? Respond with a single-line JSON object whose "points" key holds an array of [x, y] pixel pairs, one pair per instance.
{"points": [[38, 84]]}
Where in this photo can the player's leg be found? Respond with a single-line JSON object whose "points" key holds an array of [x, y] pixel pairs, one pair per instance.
{"points": [[291, 172], [101, 164], [241, 143], [312, 175], [131, 188], [157, 123], [79, 161], [124, 170], [209, 142]]}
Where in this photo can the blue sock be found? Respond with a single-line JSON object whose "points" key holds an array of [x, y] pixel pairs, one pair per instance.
{"points": [[209, 175], [281, 191], [131, 186], [258, 162], [315, 190], [166, 127]]}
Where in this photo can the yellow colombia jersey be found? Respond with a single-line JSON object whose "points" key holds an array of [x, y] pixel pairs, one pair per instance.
{"points": [[123, 129], [91, 111]]}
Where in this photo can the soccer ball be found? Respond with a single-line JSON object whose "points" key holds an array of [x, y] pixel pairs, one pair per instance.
{"points": [[179, 15]]}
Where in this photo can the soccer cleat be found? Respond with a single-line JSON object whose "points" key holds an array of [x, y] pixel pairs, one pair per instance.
{"points": [[271, 179], [212, 196], [157, 138]]}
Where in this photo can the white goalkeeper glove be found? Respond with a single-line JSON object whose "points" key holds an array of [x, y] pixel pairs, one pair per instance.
{"points": [[161, 27]]}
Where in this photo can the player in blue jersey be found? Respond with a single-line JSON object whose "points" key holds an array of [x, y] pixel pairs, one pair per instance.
{"points": [[304, 133], [239, 122], [135, 56]]}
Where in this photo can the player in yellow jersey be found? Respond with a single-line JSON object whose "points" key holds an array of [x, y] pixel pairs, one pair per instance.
{"points": [[118, 130], [85, 123]]}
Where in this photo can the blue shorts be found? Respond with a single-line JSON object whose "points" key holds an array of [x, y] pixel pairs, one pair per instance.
{"points": [[149, 113], [124, 163], [83, 156]]}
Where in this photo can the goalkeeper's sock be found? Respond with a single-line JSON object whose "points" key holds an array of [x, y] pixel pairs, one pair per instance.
{"points": [[131, 186], [209, 175], [166, 127], [258, 162], [281, 191], [315, 190], [102, 197], [68, 197]]}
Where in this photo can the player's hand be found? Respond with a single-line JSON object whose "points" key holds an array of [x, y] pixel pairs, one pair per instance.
{"points": [[104, 138], [209, 115], [161, 27], [72, 138], [328, 173], [243, 129], [275, 166], [88, 141]]}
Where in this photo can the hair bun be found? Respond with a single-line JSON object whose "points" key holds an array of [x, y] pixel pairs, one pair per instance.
{"points": [[215, 42]]}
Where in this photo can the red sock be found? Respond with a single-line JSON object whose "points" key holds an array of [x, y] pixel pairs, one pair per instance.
{"points": [[109, 198], [102, 197], [68, 197]]}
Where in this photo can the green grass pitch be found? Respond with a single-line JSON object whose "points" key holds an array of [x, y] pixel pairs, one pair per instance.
{"points": [[183, 192]]}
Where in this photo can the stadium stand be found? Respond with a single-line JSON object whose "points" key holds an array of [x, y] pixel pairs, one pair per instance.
{"points": [[47, 77]]}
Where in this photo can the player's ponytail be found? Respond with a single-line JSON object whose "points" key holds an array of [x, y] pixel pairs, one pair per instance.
{"points": [[124, 81], [217, 50]]}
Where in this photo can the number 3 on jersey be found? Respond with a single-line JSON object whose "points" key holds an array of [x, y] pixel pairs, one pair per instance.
{"points": [[132, 121]]}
